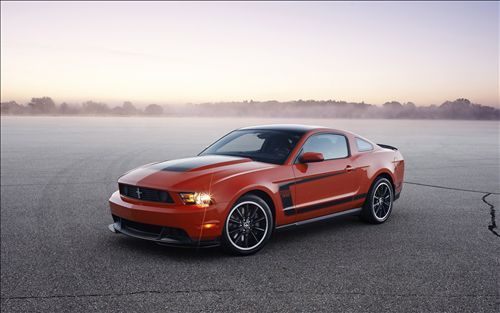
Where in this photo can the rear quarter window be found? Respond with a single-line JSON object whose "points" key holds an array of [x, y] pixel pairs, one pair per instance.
{"points": [[363, 145]]}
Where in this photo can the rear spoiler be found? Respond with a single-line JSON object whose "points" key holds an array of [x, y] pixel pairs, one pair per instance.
{"points": [[387, 146]]}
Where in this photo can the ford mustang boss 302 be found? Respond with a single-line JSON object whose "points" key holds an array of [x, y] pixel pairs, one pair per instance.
{"points": [[255, 180]]}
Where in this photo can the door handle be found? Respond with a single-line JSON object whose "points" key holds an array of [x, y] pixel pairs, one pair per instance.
{"points": [[349, 168]]}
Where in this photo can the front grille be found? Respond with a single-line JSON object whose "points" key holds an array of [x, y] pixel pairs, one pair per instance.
{"points": [[145, 194], [151, 231]]}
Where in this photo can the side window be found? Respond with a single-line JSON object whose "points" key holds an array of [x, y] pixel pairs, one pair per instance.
{"points": [[363, 145], [330, 145]]}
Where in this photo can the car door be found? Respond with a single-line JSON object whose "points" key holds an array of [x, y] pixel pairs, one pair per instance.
{"points": [[326, 186]]}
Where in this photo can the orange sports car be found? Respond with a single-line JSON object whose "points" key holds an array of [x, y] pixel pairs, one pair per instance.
{"points": [[256, 180]]}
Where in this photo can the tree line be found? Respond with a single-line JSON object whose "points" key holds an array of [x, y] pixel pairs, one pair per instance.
{"points": [[459, 109], [47, 106]]}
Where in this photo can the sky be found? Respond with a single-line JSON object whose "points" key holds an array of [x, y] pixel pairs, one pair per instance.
{"points": [[173, 52]]}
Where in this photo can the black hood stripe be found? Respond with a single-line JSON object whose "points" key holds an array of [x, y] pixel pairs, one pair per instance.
{"points": [[183, 165]]}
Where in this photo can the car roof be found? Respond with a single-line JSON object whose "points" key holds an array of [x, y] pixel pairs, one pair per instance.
{"points": [[293, 128]]}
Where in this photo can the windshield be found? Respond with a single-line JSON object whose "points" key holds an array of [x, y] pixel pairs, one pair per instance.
{"points": [[268, 146]]}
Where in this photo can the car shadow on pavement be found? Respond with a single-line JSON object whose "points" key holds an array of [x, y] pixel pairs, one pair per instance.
{"points": [[313, 231], [177, 253], [282, 239]]}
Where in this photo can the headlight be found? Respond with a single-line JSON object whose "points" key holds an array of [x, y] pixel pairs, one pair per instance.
{"points": [[197, 198]]}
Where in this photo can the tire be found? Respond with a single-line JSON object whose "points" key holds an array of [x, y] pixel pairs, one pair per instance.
{"points": [[379, 202], [248, 226]]}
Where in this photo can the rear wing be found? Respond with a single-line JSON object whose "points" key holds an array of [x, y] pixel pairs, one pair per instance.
{"points": [[387, 147]]}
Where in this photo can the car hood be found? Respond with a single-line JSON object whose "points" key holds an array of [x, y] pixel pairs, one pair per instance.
{"points": [[191, 174]]}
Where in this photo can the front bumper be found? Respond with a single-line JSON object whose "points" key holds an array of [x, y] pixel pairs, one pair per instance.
{"points": [[164, 237], [169, 224]]}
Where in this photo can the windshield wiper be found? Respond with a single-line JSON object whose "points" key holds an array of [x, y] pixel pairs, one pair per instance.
{"points": [[240, 155]]}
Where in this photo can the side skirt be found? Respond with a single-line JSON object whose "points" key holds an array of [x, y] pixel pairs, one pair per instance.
{"points": [[396, 196], [320, 218]]}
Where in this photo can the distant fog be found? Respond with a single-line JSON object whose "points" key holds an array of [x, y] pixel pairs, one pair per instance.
{"points": [[458, 109]]}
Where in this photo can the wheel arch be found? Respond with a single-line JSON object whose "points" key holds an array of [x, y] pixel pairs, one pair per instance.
{"points": [[388, 176], [261, 193], [266, 197]]}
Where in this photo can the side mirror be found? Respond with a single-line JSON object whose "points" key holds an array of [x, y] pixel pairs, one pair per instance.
{"points": [[310, 157]]}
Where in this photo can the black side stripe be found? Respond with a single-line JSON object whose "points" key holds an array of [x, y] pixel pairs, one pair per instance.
{"points": [[286, 195], [309, 179], [291, 211]]}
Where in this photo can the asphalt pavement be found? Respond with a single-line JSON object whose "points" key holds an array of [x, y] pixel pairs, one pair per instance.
{"points": [[434, 254]]}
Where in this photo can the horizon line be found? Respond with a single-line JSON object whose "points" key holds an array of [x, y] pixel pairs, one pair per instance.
{"points": [[147, 102]]}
